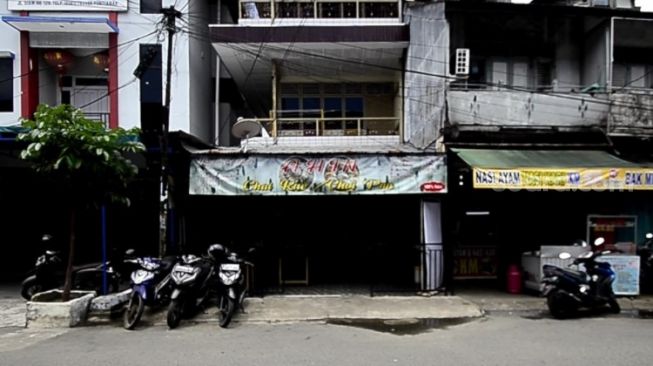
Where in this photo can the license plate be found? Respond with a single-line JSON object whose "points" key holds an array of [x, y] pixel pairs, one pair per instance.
{"points": [[230, 267], [184, 269]]}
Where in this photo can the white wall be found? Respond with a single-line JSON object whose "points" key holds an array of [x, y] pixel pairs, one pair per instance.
{"points": [[10, 41], [201, 58], [132, 25]]}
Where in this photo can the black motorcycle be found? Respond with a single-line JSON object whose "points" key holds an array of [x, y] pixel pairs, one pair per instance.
{"points": [[49, 273], [232, 288], [151, 285], [567, 290], [193, 282]]}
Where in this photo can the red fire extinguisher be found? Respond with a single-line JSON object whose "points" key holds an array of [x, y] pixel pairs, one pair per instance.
{"points": [[514, 279]]}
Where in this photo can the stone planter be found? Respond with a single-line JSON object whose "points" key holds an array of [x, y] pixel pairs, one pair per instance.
{"points": [[46, 310]]}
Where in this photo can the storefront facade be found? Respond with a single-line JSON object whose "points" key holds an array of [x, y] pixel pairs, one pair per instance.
{"points": [[518, 201], [346, 222]]}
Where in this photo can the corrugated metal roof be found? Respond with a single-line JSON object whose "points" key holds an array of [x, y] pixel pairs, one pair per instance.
{"points": [[510, 159]]}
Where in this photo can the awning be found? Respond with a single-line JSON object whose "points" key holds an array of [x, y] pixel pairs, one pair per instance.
{"points": [[61, 24], [554, 170]]}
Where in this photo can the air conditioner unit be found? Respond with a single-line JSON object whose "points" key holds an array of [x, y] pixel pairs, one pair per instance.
{"points": [[462, 62]]}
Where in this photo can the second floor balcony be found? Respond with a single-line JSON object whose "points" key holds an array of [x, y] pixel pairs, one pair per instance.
{"points": [[311, 12]]}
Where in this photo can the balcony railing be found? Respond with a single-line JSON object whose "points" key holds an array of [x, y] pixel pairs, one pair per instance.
{"points": [[319, 9], [97, 116], [330, 126]]}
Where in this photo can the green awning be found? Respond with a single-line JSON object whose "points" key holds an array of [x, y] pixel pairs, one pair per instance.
{"points": [[554, 170], [511, 159]]}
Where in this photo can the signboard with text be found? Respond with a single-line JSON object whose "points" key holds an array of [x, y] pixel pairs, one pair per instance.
{"points": [[67, 5], [471, 262], [317, 175], [564, 179], [627, 269]]}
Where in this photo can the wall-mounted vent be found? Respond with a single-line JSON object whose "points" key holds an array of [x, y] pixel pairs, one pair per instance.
{"points": [[462, 61]]}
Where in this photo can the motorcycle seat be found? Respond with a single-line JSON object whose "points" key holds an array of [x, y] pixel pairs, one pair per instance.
{"points": [[167, 263], [579, 276]]}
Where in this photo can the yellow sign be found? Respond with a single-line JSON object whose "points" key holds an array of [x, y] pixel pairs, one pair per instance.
{"points": [[597, 179]]}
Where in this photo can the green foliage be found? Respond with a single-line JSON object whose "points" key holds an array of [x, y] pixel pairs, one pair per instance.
{"points": [[82, 155]]}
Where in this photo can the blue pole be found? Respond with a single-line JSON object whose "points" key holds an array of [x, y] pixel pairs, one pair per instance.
{"points": [[103, 212]]}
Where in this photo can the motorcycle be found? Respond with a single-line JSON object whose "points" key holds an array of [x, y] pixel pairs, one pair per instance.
{"points": [[567, 290], [49, 273], [151, 285], [193, 282], [645, 252], [232, 289]]}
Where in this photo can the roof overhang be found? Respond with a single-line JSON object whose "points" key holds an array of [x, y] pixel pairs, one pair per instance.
{"points": [[556, 170], [319, 53], [43, 24]]}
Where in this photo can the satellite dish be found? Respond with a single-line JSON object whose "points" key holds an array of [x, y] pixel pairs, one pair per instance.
{"points": [[245, 128]]}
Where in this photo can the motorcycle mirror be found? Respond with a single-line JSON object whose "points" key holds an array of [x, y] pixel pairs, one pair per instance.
{"points": [[564, 255], [649, 235], [580, 243], [599, 241]]}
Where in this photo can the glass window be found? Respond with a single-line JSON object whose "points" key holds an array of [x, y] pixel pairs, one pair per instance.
{"points": [[91, 82], [354, 109], [151, 6], [65, 97], [289, 109], [311, 109], [6, 84], [333, 109]]}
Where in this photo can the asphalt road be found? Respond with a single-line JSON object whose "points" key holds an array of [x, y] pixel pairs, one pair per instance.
{"points": [[494, 340]]}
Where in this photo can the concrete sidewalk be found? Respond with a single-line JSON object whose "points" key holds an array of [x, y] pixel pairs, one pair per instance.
{"points": [[289, 309], [495, 301], [295, 308]]}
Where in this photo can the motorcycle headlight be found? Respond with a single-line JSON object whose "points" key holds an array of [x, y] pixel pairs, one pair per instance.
{"points": [[149, 264], [140, 276], [183, 275], [229, 278]]}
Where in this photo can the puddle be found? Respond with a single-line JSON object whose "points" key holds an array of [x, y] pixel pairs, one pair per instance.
{"points": [[401, 326]]}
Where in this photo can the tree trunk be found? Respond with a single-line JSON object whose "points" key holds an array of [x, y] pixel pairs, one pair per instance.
{"points": [[71, 256]]}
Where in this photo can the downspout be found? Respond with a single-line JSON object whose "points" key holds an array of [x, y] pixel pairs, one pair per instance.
{"points": [[113, 73]]}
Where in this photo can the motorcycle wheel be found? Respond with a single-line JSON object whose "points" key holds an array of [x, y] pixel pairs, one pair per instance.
{"points": [[174, 314], [134, 311], [29, 289], [614, 305], [558, 306], [226, 307]]}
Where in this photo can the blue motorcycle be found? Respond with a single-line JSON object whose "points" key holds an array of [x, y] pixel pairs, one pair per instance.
{"points": [[568, 290], [151, 286]]}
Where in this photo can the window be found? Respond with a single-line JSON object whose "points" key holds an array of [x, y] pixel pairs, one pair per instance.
{"points": [[151, 6], [342, 105], [631, 76], [509, 72], [6, 84]]}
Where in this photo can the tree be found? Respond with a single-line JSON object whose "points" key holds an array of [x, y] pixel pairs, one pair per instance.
{"points": [[87, 161]]}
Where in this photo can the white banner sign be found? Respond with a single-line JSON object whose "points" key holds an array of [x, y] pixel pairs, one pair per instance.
{"points": [[317, 175], [67, 5]]}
